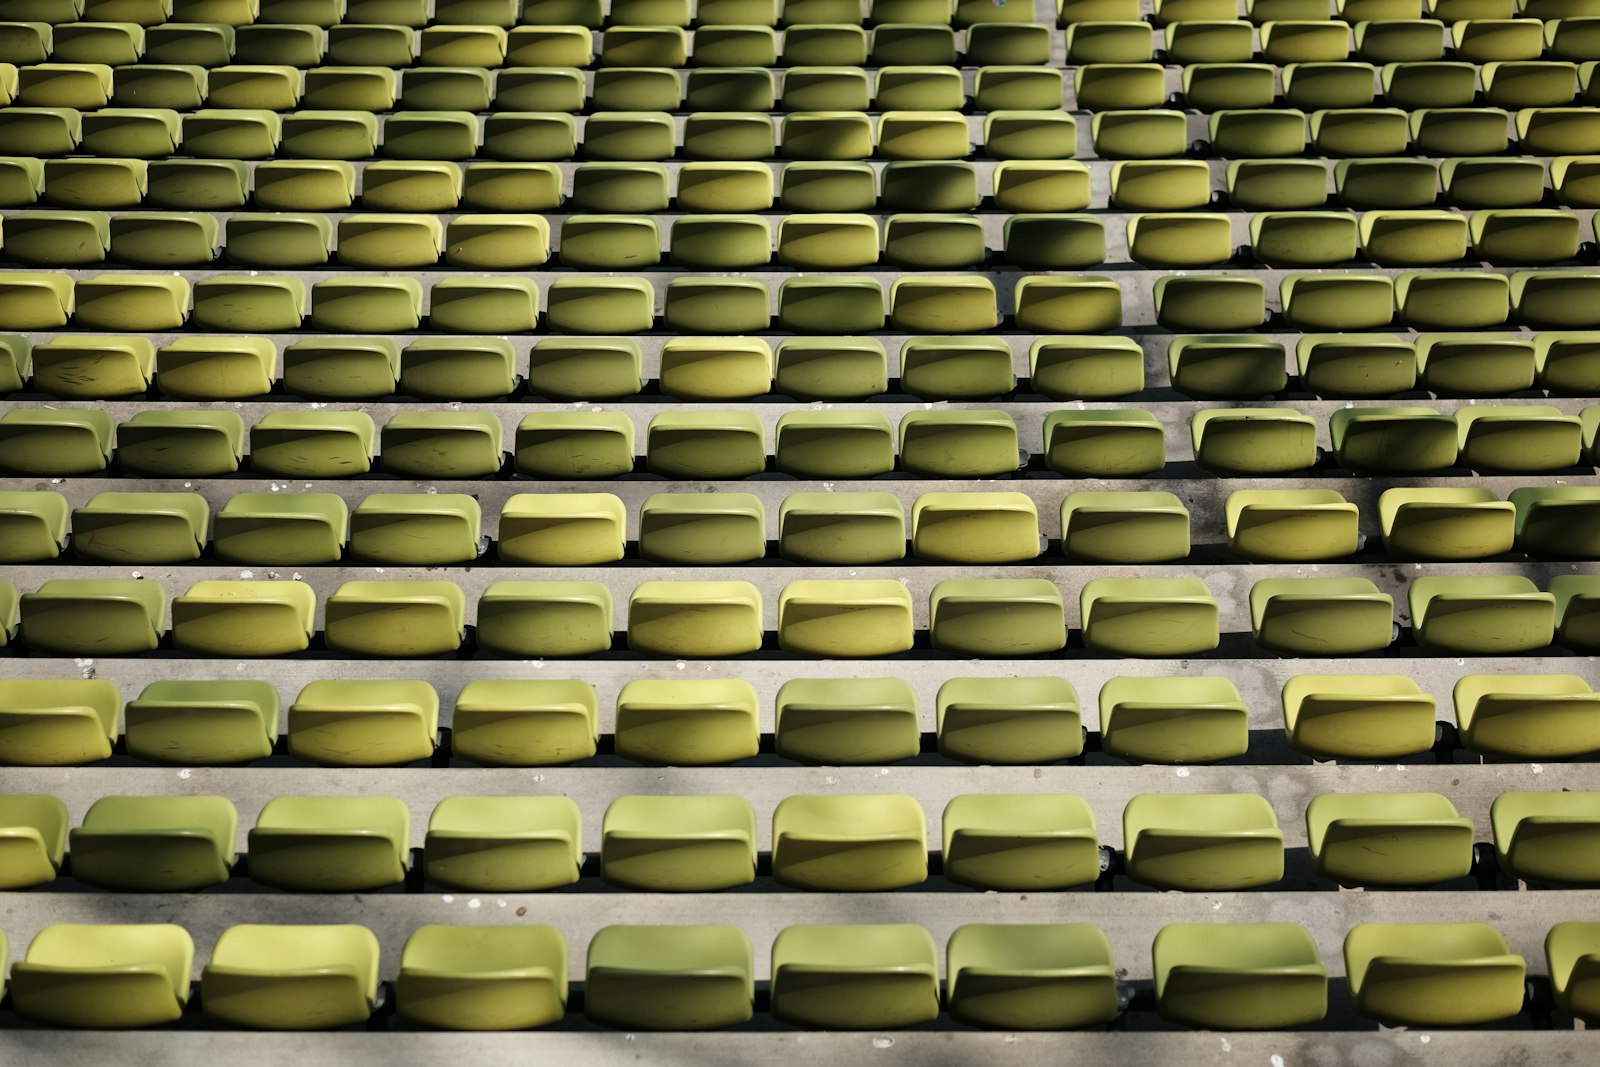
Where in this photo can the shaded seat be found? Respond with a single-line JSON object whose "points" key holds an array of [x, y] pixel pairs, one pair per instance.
{"points": [[1031, 977], [203, 722], [539, 619], [1075, 304], [1337, 301], [849, 844], [687, 722], [1393, 440], [104, 976], [1547, 838], [1209, 303], [570, 368], [997, 617], [1554, 300], [1104, 443], [975, 527], [705, 444], [672, 618], [483, 977], [292, 977], [181, 443], [1433, 974], [834, 444], [1233, 367], [842, 528], [1565, 363], [574, 445], [33, 839], [1573, 952], [1287, 525], [1474, 364], [1357, 716], [519, 723], [1518, 438], [330, 844], [1303, 238], [1148, 616], [36, 302], [1386, 839], [503, 844], [432, 444], [669, 977], [691, 844], [847, 721], [562, 529], [94, 368], [243, 618], [395, 619], [716, 368], [1020, 841], [1124, 527], [831, 305], [1401, 183], [1253, 441], [221, 368], [364, 724], [94, 617], [281, 528], [141, 527], [1198, 841], [698, 528], [1452, 300], [1086, 367], [1321, 616], [958, 443], [1481, 615], [154, 844], [1527, 716], [844, 618], [857, 977], [1446, 523], [1356, 365], [252, 303], [313, 444], [416, 529], [1173, 720], [1009, 720], [1239, 976], [1578, 611], [57, 723]]}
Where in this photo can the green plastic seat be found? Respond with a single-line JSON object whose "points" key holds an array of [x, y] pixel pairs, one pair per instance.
{"points": [[442, 445], [1571, 948], [716, 368], [1446, 523], [292, 977], [1239, 976], [94, 617], [1481, 615], [504, 844], [281, 528], [1527, 716], [1547, 838], [416, 529], [313, 444], [834, 444], [1452, 300], [1518, 439], [1240, 368], [1289, 525], [1041, 185], [1209, 303], [1031, 977], [1266, 134], [203, 722], [1032, 135], [975, 528], [1181, 239], [244, 618], [574, 445], [141, 527], [59, 238], [330, 844], [364, 724], [842, 528], [1206, 842], [1387, 183], [1173, 720], [216, 368], [33, 526], [1398, 440], [1139, 134], [36, 301], [529, 620], [337, 368], [1554, 300], [566, 368], [1565, 362], [997, 617], [41, 131], [155, 844], [94, 183], [1053, 242], [1024, 720], [734, 305], [33, 836], [1106, 41], [525, 723], [934, 242], [250, 303], [679, 843], [1149, 616], [856, 977], [1124, 527], [1504, 183], [706, 444], [958, 443], [956, 368], [398, 620], [1303, 238], [57, 723], [104, 976], [131, 302], [181, 443], [948, 305], [1557, 521], [715, 619], [1104, 443], [374, 304], [687, 722], [409, 185], [831, 305], [1020, 842], [1085, 367], [1357, 716], [849, 844], [1253, 441], [1387, 839], [701, 528], [669, 977], [562, 529], [483, 977], [843, 721], [1342, 364], [298, 186], [1433, 974], [827, 242]]}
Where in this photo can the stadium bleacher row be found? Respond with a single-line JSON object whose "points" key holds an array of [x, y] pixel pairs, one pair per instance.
{"points": [[384, 653]]}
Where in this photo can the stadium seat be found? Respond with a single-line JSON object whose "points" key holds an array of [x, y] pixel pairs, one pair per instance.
{"points": [[1238, 368], [1239, 976], [395, 619], [834, 444], [856, 977], [281, 528], [1546, 838], [1386, 839], [677, 843], [1530, 716], [975, 528], [997, 617], [503, 844], [292, 977], [686, 722], [330, 844], [33, 526], [1008, 720], [1357, 716], [1173, 720], [525, 723], [574, 445], [537, 619], [1104, 443], [104, 975], [203, 722], [1030, 977], [1432, 974], [483, 977], [698, 528], [243, 618], [842, 721], [849, 843], [33, 838], [844, 618], [1394, 440], [1484, 615], [1206, 842], [842, 528], [141, 527], [154, 844], [669, 977], [1124, 527], [1148, 616], [1253, 441], [1446, 523], [1291, 525]]}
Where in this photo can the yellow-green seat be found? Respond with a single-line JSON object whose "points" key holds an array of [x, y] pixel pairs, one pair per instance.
{"points": [[563, 529], [137, 303], [510, 977], [1460, 300], [1573, 952], [94, 617], [1006, 617], [445, 445], [1290, 525], [1041, 185], [1020, 841], [1086, 367], [504, 844], [1527, 716], [36, 301], [416, 529], [831, 305], [727, 305], [1356, 365], [574, 445], [834, 444], [1337, 301], [1481, 615], [33, 839], [1321, 616], [1475, 364], [1027, 720], [203, 722], [847, 721], [339, 368], [1053, 242], [1393, 440], [845, 618], [9, 603], [1548, 838], [1578, 611], [330, 844], [33, 526], [706, 444], [141, 527], [370, 304], [1185, 239], [849, 843], [943, 305], [249, 303], [58, 239], [364, 724], [104, 976], [817, 241], [570, 368], [292, 977], [958, 443], [313, 444], [1388, 839], [687, 722], [216, 368], [842, 528], [281, 528], [411, 185], [1518, 439], [181, 443], [1239, 368], [1566, 362], [1433, 974], [1210, 302], [1197, 719], [975, 528], [679, 844], [1239, 976], [528, 620], [78, 367], [1139, 134], [680, 618], [716, 368], [311, 185], [701, 528], [669, 977], [1149, 616], [956, 368], [244, 618], [1505, 183], [1108, 443], [1037, 976], [521, 723], [856, 977], [1124, 527], [1358, 716], [1198, 841], [934, 242], [1254, 441], [155, 844], [395, 619], [1271, 133], [1447, 523]]}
